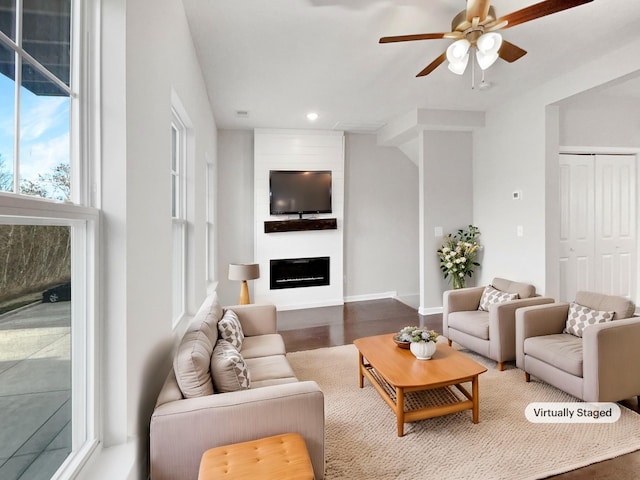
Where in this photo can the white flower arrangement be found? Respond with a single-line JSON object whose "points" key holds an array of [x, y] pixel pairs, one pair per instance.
{"points": [[458, 255]]}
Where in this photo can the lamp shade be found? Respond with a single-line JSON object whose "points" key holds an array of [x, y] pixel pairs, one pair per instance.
{"points": [[489, 43], [458, 56], [244, 271], [488, 47], [459, 66]]}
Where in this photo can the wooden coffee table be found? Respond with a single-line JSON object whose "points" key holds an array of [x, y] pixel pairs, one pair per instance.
{"points": [[394, 372]]}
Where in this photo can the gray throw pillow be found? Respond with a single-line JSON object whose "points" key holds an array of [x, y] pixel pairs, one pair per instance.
{"points": [[230, 329], [492, 295], [580, 317], [228, 369]]}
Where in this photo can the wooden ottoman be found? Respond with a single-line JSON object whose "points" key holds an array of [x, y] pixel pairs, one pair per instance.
{"points": [[281, 457]]}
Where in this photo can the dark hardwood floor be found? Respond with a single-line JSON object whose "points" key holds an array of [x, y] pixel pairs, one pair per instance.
{"points": [[331, 326]]}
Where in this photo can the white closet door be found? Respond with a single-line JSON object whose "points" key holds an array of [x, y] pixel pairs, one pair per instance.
{"points": [[615, 232], [577, 223], [598, 240]]}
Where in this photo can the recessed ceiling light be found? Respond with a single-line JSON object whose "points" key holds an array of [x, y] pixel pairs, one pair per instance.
{"points": [[312, 116]]}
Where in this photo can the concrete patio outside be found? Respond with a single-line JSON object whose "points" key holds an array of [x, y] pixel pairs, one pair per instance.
{"points": [[35, 390]]}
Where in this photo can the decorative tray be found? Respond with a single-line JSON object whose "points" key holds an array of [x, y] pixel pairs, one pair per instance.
{"points": [[399, 343]]}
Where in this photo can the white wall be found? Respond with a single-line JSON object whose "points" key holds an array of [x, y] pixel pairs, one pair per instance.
{"points": [[298, 150], [381, 220], [509, 155], [148, 53], [446, 201], [388, 232], [599, 120], [235, 208], [517, 151]]}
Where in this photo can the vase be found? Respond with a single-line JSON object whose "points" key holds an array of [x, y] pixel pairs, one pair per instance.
{"points": [[423, 350], [457, 282]]}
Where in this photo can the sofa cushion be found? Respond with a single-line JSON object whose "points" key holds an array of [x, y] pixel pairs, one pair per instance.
{"points": [[230, 329], [561, 350], [193, 356], [472, 322], [274, 367], [228, 369], [263, 346], [492, 295], [580, 317]]}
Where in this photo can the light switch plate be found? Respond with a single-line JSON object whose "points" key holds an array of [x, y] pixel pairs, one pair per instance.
{"points": [[437, 231]]}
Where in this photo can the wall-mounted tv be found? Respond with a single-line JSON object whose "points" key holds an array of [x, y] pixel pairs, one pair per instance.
{"points": [[299, 192]]}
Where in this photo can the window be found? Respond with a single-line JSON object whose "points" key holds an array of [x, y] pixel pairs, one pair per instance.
{"points": [[35, 87], [48, 247], [178, 215]]}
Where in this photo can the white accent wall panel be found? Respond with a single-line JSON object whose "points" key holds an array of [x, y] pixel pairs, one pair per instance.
{"points": [[298, 150]]}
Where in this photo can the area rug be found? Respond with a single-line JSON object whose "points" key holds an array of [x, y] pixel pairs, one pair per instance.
{"points": [[362, 442]]}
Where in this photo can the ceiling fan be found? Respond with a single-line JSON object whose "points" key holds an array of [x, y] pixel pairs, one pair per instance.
{"points": [[476, 27]]}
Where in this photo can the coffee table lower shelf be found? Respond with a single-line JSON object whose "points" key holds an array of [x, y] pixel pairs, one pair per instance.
{"points": [[411, 404]]}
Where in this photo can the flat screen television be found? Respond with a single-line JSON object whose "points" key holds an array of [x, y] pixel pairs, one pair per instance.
{"points": [[299, 192]]}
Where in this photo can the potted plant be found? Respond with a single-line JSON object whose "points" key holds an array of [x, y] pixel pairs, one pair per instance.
{"points": [[422, 341], [458, 255]]}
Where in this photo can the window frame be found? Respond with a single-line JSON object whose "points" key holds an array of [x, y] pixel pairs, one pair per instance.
{"points": [[210, 223], [179, 217], [80, 214], [84, 225], [77, 108]]}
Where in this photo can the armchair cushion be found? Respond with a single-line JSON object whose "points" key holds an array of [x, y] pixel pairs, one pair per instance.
{"points": [[561, 350], [581, 317], [620, 306], [492, 295], [473, 322], [524, 290]]}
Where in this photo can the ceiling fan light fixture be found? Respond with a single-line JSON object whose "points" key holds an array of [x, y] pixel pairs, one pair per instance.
{"points": [[458, 51], [458, 55], [458, 67], [489, 43], [485, 60], [488, 47]]}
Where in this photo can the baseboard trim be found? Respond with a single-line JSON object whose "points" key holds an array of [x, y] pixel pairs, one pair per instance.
{"points": [[370, 296], [302, 306], [430, 310]]}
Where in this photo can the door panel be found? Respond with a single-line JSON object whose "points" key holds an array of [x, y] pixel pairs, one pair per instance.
{"points": [[615, 223], [577, 224], [598, 243]]}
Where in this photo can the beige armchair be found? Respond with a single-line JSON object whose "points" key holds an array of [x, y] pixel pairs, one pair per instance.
{"points": [[600, 366], [490, 333]]}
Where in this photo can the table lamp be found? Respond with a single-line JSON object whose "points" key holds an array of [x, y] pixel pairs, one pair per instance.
{"points": [[244, 272]]}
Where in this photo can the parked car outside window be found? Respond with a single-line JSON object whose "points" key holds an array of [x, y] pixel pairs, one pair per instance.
{"points": [[58, 293]]}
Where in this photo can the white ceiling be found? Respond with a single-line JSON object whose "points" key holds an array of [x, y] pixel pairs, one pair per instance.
{"points": [[280, 59]]}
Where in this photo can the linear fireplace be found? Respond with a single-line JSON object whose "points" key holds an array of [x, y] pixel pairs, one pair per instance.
{"points": [[299, 272]]}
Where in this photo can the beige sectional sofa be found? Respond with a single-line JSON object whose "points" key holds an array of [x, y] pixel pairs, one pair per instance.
{"points": [[190, 417]]}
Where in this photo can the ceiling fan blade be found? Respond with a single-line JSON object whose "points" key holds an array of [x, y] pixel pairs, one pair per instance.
{"points": [[433, 65], [510, 52], [495, 25], [410, 38], [477, 9], [454, 35], [538, 10]]}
